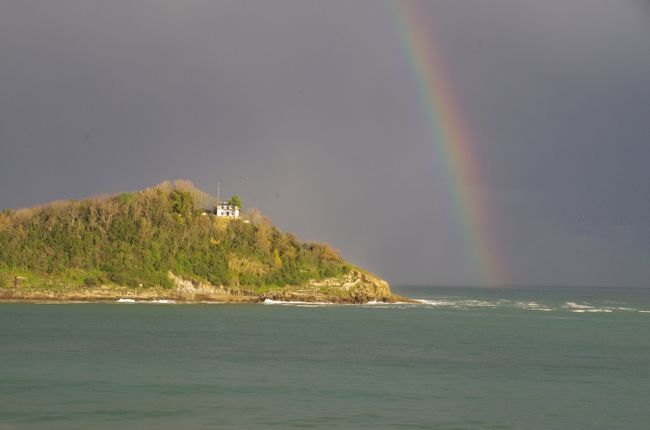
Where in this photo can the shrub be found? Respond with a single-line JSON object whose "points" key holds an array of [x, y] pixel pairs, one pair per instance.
{"points": [[92, 282], [125, 198]]}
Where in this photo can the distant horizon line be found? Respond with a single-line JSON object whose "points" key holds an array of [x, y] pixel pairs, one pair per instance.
{"points": [[510, 286]]}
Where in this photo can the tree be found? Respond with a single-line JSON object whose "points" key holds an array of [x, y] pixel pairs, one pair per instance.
{"points": [[235, 201], [277, 261], [181, 201]]}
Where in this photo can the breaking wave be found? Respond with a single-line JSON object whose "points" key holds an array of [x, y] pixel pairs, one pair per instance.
{"points": [[455, 303], [166, 302], [574, 307], [295, 303]]}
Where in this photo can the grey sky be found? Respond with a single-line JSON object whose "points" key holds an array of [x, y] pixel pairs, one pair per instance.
{"points": [[307, 110]]}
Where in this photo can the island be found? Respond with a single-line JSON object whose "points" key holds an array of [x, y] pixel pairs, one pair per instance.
{"points": [[171, 242]]}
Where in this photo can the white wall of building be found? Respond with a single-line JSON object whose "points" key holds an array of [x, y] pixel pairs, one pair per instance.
{"points": [[226, 210]]}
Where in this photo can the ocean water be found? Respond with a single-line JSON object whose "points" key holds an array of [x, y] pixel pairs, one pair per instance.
{"points": [[466, 358]]}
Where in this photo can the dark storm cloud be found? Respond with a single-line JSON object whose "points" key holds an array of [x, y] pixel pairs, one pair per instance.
{"points": [[306, 109]]}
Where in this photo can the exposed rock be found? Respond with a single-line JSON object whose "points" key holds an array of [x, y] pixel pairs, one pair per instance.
{"points": [[193, 290], [355, 287]]}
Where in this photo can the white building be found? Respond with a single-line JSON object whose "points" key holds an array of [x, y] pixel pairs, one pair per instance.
{"points": [[226, 210]]}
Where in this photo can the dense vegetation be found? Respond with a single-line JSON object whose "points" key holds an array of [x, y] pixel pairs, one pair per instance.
{"points": [[136, 239]]}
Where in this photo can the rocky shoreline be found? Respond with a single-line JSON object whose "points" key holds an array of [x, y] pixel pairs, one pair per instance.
{"points": [[356, 287]]}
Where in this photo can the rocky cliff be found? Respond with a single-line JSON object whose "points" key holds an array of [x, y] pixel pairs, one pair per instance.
{"points": [[355, 287]]}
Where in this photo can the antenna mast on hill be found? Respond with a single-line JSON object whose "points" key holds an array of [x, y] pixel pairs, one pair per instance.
{"points": [[218, 194]]}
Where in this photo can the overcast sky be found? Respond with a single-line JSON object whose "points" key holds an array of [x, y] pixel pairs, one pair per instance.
{"points": [[308, 111]]}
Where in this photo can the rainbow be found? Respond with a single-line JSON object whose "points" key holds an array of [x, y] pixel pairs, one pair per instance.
{"points": [[452, 139]]}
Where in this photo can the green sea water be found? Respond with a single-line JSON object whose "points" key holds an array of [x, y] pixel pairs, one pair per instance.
{"points": [[465, 358]]}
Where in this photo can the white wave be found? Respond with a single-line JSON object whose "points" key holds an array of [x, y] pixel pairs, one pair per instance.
{"points": [[476, 303], [583, 308], [434, 302], [163, 301], [573, 305], [533, 306], [385, 304], [480, 303], [644, 312], [292, 302], [462, 303]]}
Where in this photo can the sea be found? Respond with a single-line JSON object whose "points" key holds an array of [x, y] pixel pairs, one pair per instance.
{"points": [[464, 358]]}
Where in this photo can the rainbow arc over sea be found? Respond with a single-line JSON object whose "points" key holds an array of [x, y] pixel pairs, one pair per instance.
{"points": [[453, 141]]}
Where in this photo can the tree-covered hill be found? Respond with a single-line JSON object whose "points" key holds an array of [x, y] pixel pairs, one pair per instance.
{"points": [[137, 239]]}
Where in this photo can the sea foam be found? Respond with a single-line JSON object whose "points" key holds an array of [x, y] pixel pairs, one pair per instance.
{"points": [[293, 302], [161, 301], [573, 305]]}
